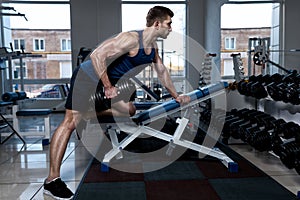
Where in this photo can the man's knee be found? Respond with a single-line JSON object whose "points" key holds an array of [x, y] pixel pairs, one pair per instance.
{"points": [[70, 120], [132, 109]]}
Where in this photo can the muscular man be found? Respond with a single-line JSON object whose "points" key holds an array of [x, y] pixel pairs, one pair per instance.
{"points": [[127, 53]]}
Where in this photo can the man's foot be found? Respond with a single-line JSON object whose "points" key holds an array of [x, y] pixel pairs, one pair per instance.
{"points": [[57, 189]]}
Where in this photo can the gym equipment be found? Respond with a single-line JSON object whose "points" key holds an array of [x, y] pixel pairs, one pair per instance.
{"points": [[45, 128], [254, 86], [289, 153], [13, 96], [173, 106], [205, 70], [125, 90], [138, 125], [83, 54], [256, 128], [4, 123], [265, 133], [280, 87], [285, 88], [238, 67]]}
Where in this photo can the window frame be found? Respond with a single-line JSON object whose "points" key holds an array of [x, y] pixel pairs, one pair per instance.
{"points": [[68, 43], [19, 44], [39, 43], [228, 45]]}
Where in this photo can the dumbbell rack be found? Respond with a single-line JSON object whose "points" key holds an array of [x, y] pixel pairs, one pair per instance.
{"points": [[255, 87], [269, 96]]}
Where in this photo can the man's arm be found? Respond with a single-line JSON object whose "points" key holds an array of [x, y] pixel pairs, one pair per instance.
{"points": [[110, 50], [165, 78]]}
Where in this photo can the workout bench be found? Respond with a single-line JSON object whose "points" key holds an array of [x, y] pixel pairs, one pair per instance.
{"points": [[41, 113], [138, 125]]}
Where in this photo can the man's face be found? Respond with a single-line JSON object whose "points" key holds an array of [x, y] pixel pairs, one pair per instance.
{"points": [[165, 27]]}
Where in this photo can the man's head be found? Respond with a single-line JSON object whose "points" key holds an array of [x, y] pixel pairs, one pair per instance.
{"points": [[158, 13], [159, 18]]}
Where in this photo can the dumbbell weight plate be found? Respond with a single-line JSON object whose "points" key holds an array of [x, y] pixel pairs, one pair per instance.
{"points": [[259, 58]]}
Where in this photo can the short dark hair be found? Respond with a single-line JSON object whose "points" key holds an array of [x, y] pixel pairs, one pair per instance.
{"points": [[159, 13]]}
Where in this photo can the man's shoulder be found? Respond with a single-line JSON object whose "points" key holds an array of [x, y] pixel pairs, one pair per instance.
{"points": [[133, 34], [130, 36]]}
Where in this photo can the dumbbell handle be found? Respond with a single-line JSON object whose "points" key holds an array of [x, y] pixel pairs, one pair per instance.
{"points": [[123, 88]]}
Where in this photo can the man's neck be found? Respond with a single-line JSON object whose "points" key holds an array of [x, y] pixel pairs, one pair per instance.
{"points": [[149, 36]]}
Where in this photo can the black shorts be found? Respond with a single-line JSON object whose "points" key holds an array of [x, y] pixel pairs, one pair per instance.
{"points": [[83, 87]]}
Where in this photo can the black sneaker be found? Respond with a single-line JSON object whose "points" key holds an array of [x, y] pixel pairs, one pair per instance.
{"points": [[57, 189]]}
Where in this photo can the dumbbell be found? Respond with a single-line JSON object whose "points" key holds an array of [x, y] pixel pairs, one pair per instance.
{"points": [[244, 130], [289, 153], [278, 126], [258, 91], [258, 138], [250, 126], [254, 86], [290, 77], [244, 86], [226, 128], [272, 124], [276, 91], [292, 94], [232, 116], [255, 133], [236, 121], [125, 88], [285, 88], [241, 87], [263, 119], [289, 130], [235, 127], [272, 88]]}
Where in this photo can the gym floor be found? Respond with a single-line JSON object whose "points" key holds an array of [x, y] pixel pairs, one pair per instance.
{"points": [[24, 168]]}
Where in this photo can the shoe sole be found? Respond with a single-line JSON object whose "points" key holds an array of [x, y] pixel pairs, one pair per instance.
{"points": [[46, 192]]}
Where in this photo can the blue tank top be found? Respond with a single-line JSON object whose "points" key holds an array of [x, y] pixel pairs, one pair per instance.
{"points": [[131, 66]]}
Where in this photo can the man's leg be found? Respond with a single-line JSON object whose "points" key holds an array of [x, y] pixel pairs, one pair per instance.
{"points": [[58, 146], [119, 109]]}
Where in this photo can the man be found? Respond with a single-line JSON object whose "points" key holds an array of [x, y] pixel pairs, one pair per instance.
{"points": [[109, 62]]}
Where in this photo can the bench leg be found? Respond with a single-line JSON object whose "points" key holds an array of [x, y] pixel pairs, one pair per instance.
{"points": [[14, 131], [15, 118], [47, 127]]}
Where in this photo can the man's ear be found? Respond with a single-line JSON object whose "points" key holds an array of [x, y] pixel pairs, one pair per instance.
{"points": [[156, 24]]}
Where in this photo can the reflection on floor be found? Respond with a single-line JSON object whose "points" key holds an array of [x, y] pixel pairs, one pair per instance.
{"points": [[24, 168]]}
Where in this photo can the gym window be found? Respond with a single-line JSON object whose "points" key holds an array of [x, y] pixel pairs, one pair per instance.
{"points": [[243, 20], [39, 45], [230, 43], [19, 44], [43, 24], [65, 45]]}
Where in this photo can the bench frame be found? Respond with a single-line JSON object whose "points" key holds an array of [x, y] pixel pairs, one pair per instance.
{"points": [[46, 117], [136, 130]]}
